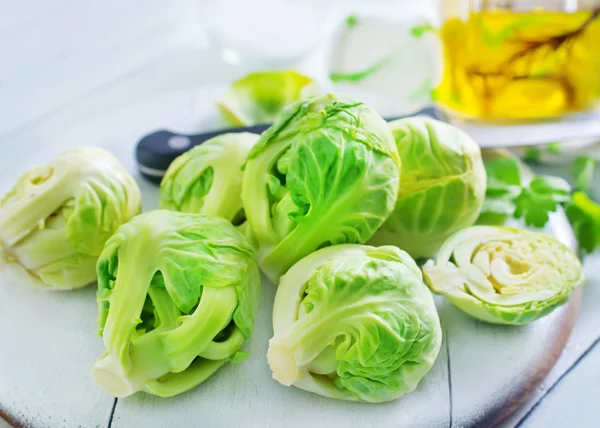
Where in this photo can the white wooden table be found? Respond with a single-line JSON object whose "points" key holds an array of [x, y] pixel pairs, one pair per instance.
{"points": [[65, 60]]}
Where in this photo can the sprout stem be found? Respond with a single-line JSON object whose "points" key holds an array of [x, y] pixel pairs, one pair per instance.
{"points": [[107, 374], [282, 363]]}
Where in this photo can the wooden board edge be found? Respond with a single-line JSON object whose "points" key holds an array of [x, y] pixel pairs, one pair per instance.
{"points": [[532, 381], [10, 420]]}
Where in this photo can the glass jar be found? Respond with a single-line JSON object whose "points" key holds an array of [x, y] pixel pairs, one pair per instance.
{"points": [[520, 59], [265, 33]]}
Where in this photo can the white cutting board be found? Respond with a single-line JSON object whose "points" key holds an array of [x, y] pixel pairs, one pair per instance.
{"points": [[47, 340]]}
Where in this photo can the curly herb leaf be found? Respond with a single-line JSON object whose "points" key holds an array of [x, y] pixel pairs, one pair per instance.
{"points": [[554, 147], [419, 30], [541, 197], [582, 171], [584, 216], [351, 21], [532, 155], [507, 196], [359, 75], [503, 188]]}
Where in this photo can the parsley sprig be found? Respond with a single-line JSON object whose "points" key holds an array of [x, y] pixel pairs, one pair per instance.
{"points": [[509, 195]]}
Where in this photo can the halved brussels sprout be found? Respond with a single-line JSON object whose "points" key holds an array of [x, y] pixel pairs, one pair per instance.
{"points": [[442, 186], [260, 97], [177, 295], [208, 179], [504, 275], [325, 173], [354, 322], [55, 220]]}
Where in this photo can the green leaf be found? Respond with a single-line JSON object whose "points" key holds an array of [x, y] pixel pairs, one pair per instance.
{"points": [[506, 197], [359, 75], [418, 30], [505, 171], [543, 196], [532, 155], [351, 21], [583, 171], [584, 215], [496, 211], [503, 189], [554, 147], [550, 185]]}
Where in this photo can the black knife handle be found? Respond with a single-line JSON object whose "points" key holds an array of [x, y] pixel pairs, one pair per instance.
{"points": [[155, 151]]}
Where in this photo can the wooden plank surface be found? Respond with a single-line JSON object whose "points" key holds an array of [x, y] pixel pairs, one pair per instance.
{"points": [[586, 331], [566, 405], [245, 395], [494, 368], [45, 355], [66, 49], [98, 84], [502, 357], [584, 337], [490, 367]]}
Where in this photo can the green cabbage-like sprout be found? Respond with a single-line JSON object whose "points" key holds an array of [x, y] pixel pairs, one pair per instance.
{"points": [[354, 322], [504, 275], [260, 97], [208, 179], [177, 295], [326, 173], [57, 217], [442, 188]]}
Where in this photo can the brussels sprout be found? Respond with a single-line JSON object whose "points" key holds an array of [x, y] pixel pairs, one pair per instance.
{"points": [[504, 275], [443, 186], [55, 220], [326, 173], [177, 294], [208, 179], [354, 322], [260, 97]]}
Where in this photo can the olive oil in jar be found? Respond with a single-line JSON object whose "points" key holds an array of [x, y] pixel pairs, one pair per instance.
{"points": [[506, 63]]}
